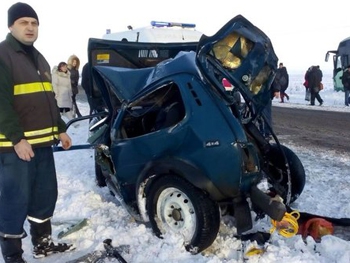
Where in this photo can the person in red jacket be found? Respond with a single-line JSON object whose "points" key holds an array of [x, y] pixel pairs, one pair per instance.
{"points": [[30, 124]]}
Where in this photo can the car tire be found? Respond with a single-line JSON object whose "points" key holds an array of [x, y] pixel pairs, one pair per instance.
{"points": [[297, 172], [99, 177], [175, 205]]}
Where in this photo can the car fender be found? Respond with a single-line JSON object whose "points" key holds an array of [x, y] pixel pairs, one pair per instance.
{"points": [[172, 165]]}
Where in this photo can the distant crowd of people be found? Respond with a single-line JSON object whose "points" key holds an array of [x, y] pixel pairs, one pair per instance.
{"points": [[312, 82], [313, 86]]}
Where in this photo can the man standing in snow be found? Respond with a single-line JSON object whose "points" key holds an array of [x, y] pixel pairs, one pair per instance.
{"points": [[283, 79], [314, 79], [346, 83], [30, 124], [73, 67]]}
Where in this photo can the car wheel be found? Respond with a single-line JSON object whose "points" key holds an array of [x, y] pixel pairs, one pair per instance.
{"points": [[297, 172], [99, 177], [175, 205]]}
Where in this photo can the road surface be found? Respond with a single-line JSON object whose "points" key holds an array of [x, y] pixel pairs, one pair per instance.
{"points": [[313, 128]]}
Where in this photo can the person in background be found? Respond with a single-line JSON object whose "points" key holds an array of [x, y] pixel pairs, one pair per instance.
{"points": [[283, 79], [63, 91], [73, 67], [306, 84], [30, 124], [314, 79], [346, 83]]}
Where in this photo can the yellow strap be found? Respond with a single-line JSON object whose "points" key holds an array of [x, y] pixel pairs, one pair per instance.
{"points": [[255, 251], [288, 226]]}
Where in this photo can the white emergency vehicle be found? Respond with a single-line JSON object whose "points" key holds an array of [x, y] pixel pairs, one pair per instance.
{"points": [[161, 32]]}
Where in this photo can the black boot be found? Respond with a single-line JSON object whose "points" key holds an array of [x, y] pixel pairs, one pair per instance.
{"points": [[11, 249], [38, 231], [42, 243], [47, 247]]}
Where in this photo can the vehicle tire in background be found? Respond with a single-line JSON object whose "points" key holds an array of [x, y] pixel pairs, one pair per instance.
{"points": [[175, 205], [297, 172]]}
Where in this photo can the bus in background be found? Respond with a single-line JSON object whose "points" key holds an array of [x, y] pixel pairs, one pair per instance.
{"points": [[341, 59]]}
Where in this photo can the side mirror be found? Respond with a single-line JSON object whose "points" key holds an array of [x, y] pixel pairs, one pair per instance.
{"points": [[327, 57]]}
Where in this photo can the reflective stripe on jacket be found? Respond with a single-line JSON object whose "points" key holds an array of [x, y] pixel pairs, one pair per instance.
{"points": [[28, 109]]}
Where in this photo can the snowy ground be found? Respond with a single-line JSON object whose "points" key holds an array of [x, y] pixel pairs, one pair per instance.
{"points": [[326, 193]]}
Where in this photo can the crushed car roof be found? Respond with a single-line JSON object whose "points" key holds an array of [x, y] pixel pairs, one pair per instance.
{"points": [[127, 83]]}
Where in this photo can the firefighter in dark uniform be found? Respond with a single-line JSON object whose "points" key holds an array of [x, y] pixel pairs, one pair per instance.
{"points": [[30, 124]]}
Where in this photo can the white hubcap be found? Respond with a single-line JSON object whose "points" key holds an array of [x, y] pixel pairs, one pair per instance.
{"points": [[176, 212]]}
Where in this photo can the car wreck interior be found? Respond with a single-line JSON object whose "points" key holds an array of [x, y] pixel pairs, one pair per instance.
{"points": [[158, 110]]}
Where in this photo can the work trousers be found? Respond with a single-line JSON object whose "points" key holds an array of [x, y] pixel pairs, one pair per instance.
{"points": [[27, 189], [347, 94], [315, 94]]}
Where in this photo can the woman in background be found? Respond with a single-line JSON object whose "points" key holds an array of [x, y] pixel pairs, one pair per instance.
{"points": [[63, 91], [73, 67]]}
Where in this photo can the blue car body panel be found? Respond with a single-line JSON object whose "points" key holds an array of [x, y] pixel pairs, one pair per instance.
{"points": [[215, 145]]}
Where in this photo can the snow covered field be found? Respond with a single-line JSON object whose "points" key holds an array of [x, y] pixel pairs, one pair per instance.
{"points": [[327, 192]]}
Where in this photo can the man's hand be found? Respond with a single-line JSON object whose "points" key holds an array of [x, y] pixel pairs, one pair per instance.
{"points": [[66, 141], [24, 150]]}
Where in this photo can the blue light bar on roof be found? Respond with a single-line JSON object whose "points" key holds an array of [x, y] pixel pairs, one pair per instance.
{"points": [[171, 24]]}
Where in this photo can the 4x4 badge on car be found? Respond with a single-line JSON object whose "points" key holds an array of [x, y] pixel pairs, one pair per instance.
{"points": [[212, 143]]}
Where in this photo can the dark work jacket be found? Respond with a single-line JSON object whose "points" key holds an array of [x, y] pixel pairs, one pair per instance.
{"points": [[28, 109], [74, 73], [314, 78], [281, 80], [74, 79], [346, 79]]}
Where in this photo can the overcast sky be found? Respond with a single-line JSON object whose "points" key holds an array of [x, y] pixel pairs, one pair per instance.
{"points": [[301, 31]]}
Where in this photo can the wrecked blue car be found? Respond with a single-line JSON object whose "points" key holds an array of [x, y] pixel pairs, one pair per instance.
{"points": [[175, 147]]}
